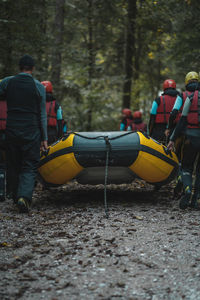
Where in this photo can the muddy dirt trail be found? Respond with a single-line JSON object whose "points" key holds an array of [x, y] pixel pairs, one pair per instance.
{"points": [[66, 248]]}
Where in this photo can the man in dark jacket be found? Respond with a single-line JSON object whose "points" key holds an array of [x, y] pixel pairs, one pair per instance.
{"points": [[26, 130]]}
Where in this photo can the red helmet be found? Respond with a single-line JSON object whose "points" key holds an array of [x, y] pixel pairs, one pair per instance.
{"points": [[48, 86], [127, 112], [169, 83], [137, 115]]}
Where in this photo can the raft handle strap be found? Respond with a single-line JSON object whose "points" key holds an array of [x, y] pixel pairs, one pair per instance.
{"points": [[96, 137], [44, 153], [167, 151]]}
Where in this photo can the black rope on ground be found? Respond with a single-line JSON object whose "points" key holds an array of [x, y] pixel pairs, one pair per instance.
{"points": [[108, 147]]}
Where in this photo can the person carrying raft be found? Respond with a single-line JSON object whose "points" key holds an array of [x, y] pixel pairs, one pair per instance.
{"points": [[26, 130], [189, 125], [191, 84]]}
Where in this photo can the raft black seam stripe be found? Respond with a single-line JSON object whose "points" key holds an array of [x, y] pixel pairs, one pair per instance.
{"points": [[157, 154], [56, 154], [140, 148]]}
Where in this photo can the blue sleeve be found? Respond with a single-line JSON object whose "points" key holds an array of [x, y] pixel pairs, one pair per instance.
{"points": [[65, 128], [186, 107], [122, 127], [42, 92], [178, 103], [154, 108], [59, 113]]}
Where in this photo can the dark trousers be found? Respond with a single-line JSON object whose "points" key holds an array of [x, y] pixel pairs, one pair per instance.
{"points": [[179, 145], [190, 151], [158, 133], [23, 157]]}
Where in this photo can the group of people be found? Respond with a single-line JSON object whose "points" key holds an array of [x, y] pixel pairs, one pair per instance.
{"points": [[174, 121], [29, 117], [132, 121]]}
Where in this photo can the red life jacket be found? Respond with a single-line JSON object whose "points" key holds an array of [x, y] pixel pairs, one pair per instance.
{"points": [[164, 109], [139, 127], [193, 116], [51, 114], [3, 114]]}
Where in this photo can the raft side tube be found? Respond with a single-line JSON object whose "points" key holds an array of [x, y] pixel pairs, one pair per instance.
{"points": [[60, 166], [153, 164]]}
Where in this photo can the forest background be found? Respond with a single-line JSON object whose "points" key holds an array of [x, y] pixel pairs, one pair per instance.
{"points": [[102, 55]]}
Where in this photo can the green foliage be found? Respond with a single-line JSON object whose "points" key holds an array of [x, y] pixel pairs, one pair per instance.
{"points": [[166, 45], [22, 32], [186, 46]]}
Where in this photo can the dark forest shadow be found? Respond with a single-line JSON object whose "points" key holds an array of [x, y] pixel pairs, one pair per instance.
{"points": [[76, 195]]}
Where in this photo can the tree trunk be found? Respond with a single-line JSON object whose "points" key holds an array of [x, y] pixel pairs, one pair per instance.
{"points": [[129, 52], [138, 51], [91, 54], [159, 67], [7, 40], [137, 54], [8, 59], [42, 65], [57, 49]]}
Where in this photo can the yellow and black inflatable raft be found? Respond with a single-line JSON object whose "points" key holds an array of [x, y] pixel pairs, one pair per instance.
{"points": [[128, 155]]}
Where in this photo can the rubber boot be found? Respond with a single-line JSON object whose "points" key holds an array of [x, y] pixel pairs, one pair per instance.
{"points": [[23, 205], [196, 195], [178, 188], [185, 199], [187, 184], [179, 184]]}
